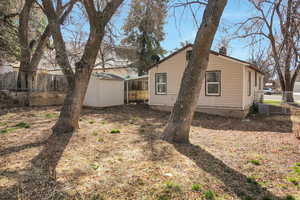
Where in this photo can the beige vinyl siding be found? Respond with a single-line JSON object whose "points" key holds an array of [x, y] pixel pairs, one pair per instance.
{"points": [[231, 82], [248, 100]]}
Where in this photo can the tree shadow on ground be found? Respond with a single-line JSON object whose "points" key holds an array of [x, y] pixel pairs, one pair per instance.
{"points": [[257, 123], [39, 180], [15, 149], [243, 187]]}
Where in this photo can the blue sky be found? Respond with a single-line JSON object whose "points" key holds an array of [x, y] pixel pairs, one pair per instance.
{"points": [[179, 29]]}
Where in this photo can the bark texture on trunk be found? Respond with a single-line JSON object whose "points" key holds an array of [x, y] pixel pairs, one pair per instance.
{"points": [[30, 57], [178, 127], [70, 112], [78, 80], [24, 75]]}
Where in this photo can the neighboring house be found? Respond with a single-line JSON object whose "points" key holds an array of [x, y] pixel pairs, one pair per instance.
{"points": [[229, 87], [113, 60], [104, 90]]}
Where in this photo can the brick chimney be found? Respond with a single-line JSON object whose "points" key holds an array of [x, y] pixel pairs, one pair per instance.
{"points": [[223, 51]]}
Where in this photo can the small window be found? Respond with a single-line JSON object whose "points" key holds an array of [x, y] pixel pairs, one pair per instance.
{"points": [[213, 83], [249, 83], [255, 79], [259, 83], [189, 55], [161, 83]]}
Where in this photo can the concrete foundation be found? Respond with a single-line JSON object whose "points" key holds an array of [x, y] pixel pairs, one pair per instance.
{"points": [[225, 112]]}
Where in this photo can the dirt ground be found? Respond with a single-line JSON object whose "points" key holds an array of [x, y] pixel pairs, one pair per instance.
{"points": [[256, 158]]}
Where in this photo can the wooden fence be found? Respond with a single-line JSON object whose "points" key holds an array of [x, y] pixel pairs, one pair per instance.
{"points": [[42, 83]]}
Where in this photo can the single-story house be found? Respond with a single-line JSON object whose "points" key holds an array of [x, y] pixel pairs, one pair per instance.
{"points": [[104, 90], [229, 88]]}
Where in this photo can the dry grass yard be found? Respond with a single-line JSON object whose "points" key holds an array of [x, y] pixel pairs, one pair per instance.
{"points": [[117, 155]]}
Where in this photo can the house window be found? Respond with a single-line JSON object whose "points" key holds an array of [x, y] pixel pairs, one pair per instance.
{"points": [[161, 83], [255, 79], [189, 55], [249, 83], [213, 83]]}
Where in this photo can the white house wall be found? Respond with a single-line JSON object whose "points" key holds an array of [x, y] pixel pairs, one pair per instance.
{"points": [[104, 93], [231, 82]]}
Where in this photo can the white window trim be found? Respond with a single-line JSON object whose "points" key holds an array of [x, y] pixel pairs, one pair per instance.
{"points": [[161, 83], [213, 83]]}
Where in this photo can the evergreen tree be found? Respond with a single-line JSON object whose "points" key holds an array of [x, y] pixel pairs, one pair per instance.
{"points": [[144, 31]]}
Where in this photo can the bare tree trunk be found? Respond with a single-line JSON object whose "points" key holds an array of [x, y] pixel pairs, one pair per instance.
{"points": [[178, 127], [70, 113], [24, 43], [288, 95], [78, 81], [29, 59]]}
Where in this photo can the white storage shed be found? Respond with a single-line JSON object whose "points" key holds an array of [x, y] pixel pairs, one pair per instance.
{"points": [[104, 90]]}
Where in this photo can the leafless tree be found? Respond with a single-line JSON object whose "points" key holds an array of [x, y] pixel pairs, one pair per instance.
{"points": [[99, 14], [178, 127], [277, 22], [32, 48], [261, 57]]}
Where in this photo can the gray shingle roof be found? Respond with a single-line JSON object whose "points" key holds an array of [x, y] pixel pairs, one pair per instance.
{"points": [[107, 76]]}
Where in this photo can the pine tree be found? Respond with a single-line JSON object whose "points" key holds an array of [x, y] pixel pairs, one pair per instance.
{"points": [[144, 31]]}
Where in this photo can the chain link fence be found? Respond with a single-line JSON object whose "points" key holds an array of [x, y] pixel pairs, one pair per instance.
{"points": [[277, 103]]}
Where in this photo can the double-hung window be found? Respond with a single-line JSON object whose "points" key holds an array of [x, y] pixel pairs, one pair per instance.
{"points": [[161, 83], [213, 83]]}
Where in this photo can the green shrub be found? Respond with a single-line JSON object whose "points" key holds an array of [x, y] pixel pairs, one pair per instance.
{"points": [[3, 131], [293, 180], [142, 130], [92, 121], [196, 187], [95, 166], [115, 131], [297, 170], [290, 197], [22, 125], [267, 198], [164, 197], [173, 186], [209, 195], [252, 180], [3, 123], [51, 115], [253, 109], [8, 130], [95, 133], [96, 197], [255, 162]]}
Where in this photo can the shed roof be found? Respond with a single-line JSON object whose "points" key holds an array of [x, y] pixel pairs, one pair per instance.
{"points": [[107, 76], [138, 77], [248, 64]]}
